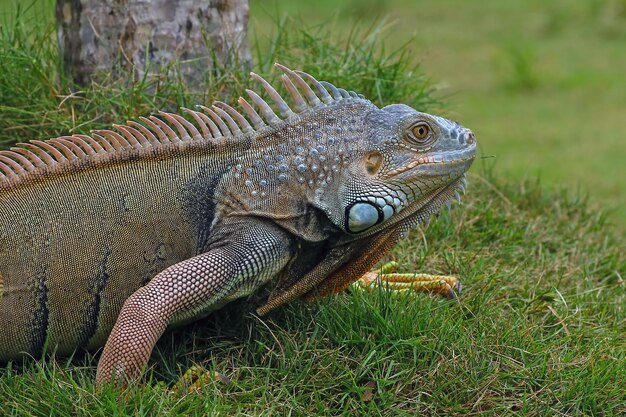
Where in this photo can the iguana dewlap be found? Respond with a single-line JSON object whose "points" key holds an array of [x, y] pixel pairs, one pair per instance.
{"points": [[115, 237]]}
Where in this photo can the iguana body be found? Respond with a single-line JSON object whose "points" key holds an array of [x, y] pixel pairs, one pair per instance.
{"points": [[113, 238]]}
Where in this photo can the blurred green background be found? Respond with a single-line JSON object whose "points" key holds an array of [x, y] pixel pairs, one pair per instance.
{"points": [[543, 84]]}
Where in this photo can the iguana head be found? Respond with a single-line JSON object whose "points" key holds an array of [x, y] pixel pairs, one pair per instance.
{"points": [[406, 166], [364, 167]]}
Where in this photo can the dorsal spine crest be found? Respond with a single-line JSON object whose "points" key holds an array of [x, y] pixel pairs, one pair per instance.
{"points": [[216, 123]]}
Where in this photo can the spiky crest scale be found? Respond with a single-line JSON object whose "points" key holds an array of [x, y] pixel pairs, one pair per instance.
{"points": [[215, 122]]}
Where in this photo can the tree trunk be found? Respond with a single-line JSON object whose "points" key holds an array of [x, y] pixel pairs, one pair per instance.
{"points": [[101, 36]]}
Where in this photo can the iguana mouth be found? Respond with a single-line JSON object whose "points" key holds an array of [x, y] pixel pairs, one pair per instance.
{"points": [[449, 161]]}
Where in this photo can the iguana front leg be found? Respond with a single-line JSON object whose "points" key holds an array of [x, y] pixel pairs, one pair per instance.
{"points": [[237, 261], [445, 285]]}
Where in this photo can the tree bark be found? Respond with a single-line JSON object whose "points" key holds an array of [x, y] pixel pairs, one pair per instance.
{"points": [[103, 36]]}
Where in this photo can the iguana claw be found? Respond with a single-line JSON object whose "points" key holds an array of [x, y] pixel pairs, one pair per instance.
{"points": [[445, 285]]}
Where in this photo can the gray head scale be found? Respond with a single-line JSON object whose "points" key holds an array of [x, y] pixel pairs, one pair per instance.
{"points": [[408, 165]]}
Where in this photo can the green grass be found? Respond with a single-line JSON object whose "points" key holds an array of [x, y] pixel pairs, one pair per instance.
{"points": [[539, 330]]}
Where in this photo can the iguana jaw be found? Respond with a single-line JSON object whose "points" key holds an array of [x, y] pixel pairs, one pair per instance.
{"points": [[421, 210], [418, 212], [433, 205]]}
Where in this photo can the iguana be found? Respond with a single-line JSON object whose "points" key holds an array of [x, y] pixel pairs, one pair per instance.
{"points": [[110, 239]]}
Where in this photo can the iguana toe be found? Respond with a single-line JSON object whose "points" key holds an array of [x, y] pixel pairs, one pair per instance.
{"points": [[444, 285]]}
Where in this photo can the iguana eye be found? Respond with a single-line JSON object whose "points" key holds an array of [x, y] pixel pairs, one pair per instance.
{"points": [[420, 131]]}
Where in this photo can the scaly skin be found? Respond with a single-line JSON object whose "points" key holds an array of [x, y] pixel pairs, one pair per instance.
{"points": [[118, 236]]}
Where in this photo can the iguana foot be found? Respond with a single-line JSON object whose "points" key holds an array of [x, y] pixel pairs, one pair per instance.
{"points": [[195, 378], [445, 285]]}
